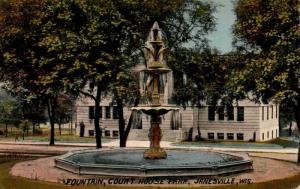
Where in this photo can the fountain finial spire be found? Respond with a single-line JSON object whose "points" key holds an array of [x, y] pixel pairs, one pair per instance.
{"points": [[155, 48], [155, 26]]}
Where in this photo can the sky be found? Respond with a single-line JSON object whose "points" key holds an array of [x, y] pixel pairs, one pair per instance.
{"points": [[221, 38]]}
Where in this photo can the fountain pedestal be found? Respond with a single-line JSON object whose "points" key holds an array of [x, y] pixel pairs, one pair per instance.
{"points": [[155, 135]]}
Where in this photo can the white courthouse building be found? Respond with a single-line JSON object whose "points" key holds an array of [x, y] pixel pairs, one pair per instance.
{"points": [[245, 121]]}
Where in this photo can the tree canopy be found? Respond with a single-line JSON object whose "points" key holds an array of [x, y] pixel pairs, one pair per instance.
{"points": [[271, 29], [49, 46], [268, 33]]}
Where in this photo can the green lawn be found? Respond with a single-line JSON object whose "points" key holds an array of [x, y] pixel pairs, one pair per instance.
{"points": [[62, 138], [283, 143], [67, 138], [44, 133], [10, 182], [43, 130], [278, 141]]}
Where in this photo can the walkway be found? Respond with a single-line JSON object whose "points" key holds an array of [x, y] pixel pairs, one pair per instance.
{"points": [[59, 148], [266, 166]]}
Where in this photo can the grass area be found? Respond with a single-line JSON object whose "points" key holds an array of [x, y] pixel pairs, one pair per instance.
{"points": [[284, 143], [44, 133], [62, 138], [42, 130], [278, 141], [67, 138], [10, 182]]}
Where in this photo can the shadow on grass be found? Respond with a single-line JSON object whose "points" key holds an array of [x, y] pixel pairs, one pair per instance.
{"points": [[11, 182]]}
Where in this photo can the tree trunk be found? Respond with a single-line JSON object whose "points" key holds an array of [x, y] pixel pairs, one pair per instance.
{"points": [[6, 129], [121, 121], [59, 128], [298, 125], [297, 117], [71, 123], [129, 124], [33, 128], [51, 105], [27, 130], [98, 130], [198, 125], [290, 129], [298, 160]]}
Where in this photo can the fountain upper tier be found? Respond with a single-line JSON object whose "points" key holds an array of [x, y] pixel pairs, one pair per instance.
{"points": [[155, 52], [156, 72]]}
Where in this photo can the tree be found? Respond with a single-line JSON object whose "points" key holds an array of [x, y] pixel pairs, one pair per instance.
{"points": [[286, 115], [108, 37], [181, 21], [34, 111], [64, 110], [9, 112], [202, 77], [268, 33], [49, 45], [32, 69], [13, 110], [57, 44]]}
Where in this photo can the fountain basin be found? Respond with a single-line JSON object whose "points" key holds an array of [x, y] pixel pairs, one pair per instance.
{"points": [[155, 110], [130, 163]]}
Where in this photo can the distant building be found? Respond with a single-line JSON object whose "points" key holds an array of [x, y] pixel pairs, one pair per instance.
{"points": [[245, 121]]}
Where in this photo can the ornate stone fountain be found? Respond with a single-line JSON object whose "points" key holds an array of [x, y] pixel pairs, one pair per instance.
{"points": [[155, 162], [155, 67]]}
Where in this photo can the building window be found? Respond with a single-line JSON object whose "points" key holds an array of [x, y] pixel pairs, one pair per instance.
{"points": [[230, 136], [211, 136], [91, 85], [220, 136], [271, 112], [115, 133], [211, 113], [91, 132], [267, 112], [240, 113], [240, 136], [263, 136], [107, 133], [262, 113], [230, 113], [107, 112], [91, 112], [137, 120], [115, 112], [221, 112], [100, 112], [140, 124]]}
